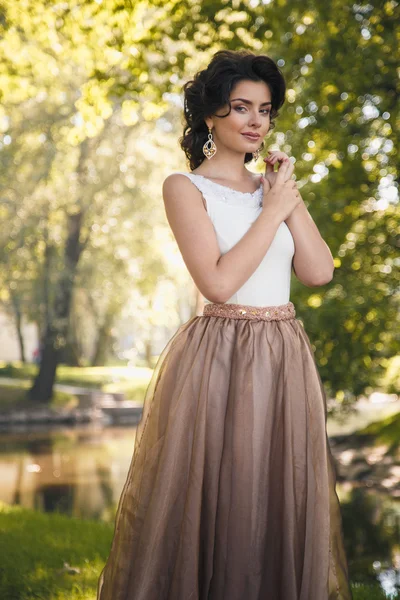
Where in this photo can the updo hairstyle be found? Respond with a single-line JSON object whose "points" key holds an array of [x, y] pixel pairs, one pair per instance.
{"points": [[210, 89]]}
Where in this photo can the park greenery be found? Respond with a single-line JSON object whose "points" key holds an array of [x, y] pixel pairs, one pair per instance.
{"points": [[67, 562], [90, 116], [65, 565]]}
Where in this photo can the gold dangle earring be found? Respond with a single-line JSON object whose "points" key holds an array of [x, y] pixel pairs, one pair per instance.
{"points": [[256, 153], [209, 148]]}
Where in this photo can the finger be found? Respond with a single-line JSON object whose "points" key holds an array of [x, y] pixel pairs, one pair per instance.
{"points": [[269, 168], [282, 171], [266, 184], [289, 171], [279, 157]]}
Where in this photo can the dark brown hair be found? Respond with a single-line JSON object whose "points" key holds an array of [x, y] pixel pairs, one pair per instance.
{"points": [[210, 89]]}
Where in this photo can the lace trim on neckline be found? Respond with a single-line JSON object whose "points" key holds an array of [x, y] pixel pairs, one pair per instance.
{"points": [[231, 196], [227, 187]]}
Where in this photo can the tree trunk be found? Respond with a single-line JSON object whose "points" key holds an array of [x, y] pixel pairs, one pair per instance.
{"points": [[18, 326], [57, 325], [103, 342], [42, 389], [72, 355]]}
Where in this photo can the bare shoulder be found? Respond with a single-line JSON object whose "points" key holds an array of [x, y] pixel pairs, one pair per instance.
{"points": [[193, 231], [176, 181], [177, 188]]}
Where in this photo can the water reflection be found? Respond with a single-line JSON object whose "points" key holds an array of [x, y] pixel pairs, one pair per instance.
{"points": [[81, 472]]}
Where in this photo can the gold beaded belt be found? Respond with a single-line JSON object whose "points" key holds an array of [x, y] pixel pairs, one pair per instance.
{"points": [[281, 312]]}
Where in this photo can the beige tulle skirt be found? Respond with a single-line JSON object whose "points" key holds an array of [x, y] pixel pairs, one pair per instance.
{"points": [[230, 494]]}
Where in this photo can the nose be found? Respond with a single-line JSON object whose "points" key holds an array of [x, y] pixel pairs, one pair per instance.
{"points": [[255, 119]]}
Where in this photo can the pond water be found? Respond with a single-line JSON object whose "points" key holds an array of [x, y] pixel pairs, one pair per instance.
{"points": [[81, 472]]}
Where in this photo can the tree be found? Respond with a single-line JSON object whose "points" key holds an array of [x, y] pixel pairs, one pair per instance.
{"points": [[97, 64]]}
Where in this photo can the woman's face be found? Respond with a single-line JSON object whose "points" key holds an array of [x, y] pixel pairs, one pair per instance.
{"points": [[252, 116]]}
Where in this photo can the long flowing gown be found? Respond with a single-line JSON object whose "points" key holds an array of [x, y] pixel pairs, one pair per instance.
{"points": [[230, 494]]}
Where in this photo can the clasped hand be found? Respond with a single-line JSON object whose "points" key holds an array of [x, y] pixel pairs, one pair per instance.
{"points": [[280, 194], [270, 175]]}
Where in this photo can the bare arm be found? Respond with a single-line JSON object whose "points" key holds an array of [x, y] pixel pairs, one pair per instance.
{"points": [[217, 276], [312, 261]]}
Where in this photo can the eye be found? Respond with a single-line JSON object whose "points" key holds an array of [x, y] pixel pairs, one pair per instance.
{"points": [[264, 110]]}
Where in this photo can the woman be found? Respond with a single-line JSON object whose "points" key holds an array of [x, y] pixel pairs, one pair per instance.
{"points": [[231, 491]]}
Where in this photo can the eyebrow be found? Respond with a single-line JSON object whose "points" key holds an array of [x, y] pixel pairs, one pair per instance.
{"points": [[248, 101]]}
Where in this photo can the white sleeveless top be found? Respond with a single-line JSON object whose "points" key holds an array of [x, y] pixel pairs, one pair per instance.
{"points": [[232, 213]]}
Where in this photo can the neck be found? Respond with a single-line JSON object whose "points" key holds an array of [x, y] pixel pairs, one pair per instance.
{"points": [[230, 167]]}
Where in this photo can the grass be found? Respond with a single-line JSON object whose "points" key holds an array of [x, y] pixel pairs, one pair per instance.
{"points": [[132, 381], [81, 376], [34, 547], [362, 591], [13, 397]]}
